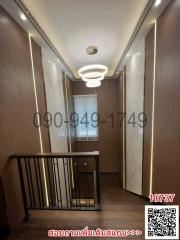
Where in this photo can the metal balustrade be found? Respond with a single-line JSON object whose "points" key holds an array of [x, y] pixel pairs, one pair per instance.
{"points": [[62, 181]]}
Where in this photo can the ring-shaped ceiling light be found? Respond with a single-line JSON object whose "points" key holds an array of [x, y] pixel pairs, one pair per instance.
{"points": [[100, 78], [93, 73], [93, 84], [94, 67]]}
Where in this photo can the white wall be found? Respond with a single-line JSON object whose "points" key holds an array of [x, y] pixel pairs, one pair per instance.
{"points": [[134, 103], [56, 104]]}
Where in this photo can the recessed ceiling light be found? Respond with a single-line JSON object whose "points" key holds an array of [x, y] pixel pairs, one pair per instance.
{"points": [[58, 60], [91, 50], [157, 3], [23, 17]]}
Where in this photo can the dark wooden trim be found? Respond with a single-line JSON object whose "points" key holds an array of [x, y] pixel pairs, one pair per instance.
{"points": [[109, 173], [54, 155]]}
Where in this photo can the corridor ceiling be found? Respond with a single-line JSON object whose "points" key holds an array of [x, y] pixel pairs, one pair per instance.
{"points": [[73, 25]]}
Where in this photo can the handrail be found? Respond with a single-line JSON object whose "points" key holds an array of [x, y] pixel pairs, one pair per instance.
{"points": [[59, 181], [64, 155]]}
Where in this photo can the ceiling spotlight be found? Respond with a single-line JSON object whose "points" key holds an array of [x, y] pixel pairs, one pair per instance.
{"points": [[157, 3], [92, 84], [91, 50], [23, 17], [58, 60]]}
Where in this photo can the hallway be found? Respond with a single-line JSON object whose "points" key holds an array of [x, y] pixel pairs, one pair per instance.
{"points": [[90, 118], [120, 210]]}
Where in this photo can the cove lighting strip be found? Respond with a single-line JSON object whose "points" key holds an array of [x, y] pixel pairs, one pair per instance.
{"points": [[153, 109], [124, 146], [38, 120]]}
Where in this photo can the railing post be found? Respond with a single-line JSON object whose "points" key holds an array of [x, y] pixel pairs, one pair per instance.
{"points": [[27, 216], [97, 182]]}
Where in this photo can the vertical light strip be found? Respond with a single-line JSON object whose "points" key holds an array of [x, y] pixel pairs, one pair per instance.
{"points": [[124, 173], [67, 105], [38, 120], [153, 108], [68, 130]]}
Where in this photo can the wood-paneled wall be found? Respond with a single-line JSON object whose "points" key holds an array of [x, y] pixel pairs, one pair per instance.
{"points": [[17, 104], [41, 96], [107, 143], [148, 103], [166, 166], [166, 154]]}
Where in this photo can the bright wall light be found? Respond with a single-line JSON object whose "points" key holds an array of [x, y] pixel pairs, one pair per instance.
{"points": [[23, 17], [157, 3]]}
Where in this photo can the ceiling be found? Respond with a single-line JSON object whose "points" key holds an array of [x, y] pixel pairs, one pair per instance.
{"points": [[73, 25]]}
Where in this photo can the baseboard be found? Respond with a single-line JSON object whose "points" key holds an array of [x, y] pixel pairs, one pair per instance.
{"points": [[138, 195]]}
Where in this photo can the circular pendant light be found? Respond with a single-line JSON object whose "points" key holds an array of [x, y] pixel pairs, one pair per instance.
{"points": [[92, 79], [93, 74], [92, 84], [93, 68]]}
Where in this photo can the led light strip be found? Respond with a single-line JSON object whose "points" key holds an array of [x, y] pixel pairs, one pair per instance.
{"points": [[153, 109], [68, 129], [124, 150], [67, 105], [38, 120]]}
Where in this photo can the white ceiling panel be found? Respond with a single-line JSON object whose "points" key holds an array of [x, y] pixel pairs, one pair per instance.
{"points": [[73, 25]]}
